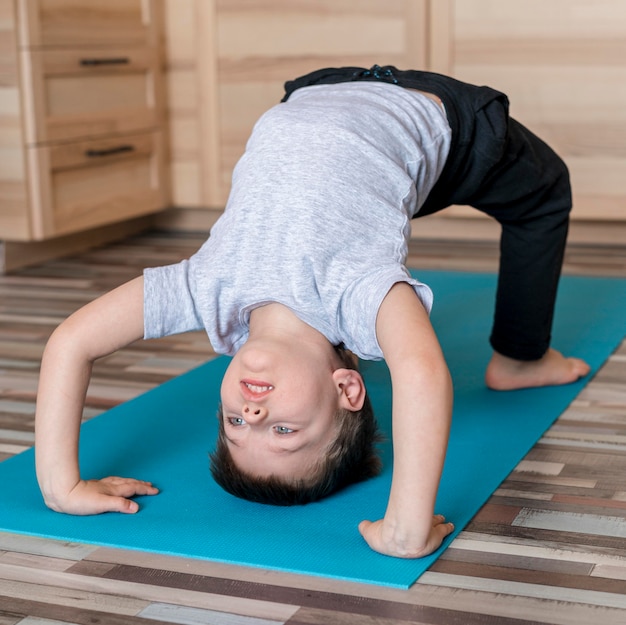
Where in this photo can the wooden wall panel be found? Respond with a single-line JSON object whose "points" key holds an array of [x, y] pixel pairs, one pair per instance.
{"points": [[182, 80], [562, 62], [263, 43], [563, 65], [227, 61]]}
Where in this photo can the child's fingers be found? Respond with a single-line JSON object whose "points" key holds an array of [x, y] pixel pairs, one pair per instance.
{"points": [[107, 495], [117, 504], [446, 528], [370, 532], [367, 529], [127, 487], [440, 520]]}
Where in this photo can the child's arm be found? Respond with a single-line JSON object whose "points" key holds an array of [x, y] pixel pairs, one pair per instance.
{"points": [[422, 407], [98, 329]]}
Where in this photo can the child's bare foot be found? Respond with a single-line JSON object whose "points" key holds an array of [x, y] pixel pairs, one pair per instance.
{"points": [[507, 374]]}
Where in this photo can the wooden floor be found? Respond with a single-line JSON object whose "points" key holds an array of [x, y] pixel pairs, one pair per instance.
{"points": [[548, 547]]}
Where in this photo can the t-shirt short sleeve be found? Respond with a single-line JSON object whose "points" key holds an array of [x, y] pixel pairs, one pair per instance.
{"points": [[360, 305], [169, 302]]}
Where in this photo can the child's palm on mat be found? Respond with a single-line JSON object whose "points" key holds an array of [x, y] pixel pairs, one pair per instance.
{"points": [[110, 494]]}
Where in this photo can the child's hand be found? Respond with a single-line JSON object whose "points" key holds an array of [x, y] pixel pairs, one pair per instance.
{"points": [[106, 495], [390, 540]]}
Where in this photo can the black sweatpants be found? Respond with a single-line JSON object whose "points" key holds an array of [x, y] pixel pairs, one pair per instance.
{"points": [[501, 168]]}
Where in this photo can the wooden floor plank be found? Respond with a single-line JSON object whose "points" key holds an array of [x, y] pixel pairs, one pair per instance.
{"points": [[15, 543], [561, 594], [16, 608], [194, 616], [14, 593], [572, 522], [69, 586]]}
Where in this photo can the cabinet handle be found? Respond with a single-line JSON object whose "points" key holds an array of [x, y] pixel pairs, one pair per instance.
{"points": [[118, 149], [115, 60]]}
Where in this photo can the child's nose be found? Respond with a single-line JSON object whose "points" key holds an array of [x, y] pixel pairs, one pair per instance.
{"points": [[254, 413]]}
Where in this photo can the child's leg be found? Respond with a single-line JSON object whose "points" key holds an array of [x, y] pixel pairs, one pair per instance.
{"points": [[529, 194]]}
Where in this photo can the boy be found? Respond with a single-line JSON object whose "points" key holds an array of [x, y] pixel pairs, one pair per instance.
{"points": [[307, 259]]}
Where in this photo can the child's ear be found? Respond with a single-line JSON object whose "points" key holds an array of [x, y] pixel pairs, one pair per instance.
{"points": [[350, 388]]}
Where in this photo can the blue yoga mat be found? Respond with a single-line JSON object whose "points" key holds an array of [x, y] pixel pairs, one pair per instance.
{"points": [[166, 435]]}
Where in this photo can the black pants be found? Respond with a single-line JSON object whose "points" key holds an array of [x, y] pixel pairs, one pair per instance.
{"points": [[499, 167]]}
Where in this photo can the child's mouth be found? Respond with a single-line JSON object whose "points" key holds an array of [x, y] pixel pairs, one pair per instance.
{"points": [[257, 388]]}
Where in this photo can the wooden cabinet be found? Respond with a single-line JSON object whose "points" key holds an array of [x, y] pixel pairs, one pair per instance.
{"points": [[563, 65], [81, 115], [227, 61], [92, 23]]}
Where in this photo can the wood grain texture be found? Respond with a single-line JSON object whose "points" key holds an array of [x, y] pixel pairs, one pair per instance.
{"points": [[88, 72], [562, 64], [227, 61], [547, 548]]}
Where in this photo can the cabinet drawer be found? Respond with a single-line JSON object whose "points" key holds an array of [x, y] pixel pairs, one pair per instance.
{"points": [[76, 22], [79, 93], [91, 183]]}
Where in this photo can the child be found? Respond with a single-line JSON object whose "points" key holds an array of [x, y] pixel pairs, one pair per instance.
{"points": [[308, 259]]}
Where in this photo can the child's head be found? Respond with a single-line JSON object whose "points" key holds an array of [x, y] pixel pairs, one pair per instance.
{"points": [[298, 437]]}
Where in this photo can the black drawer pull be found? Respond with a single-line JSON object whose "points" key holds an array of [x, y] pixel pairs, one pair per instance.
{"points": [[118, 149], [119, 60]]}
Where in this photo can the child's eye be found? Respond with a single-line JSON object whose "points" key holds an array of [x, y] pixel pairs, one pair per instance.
{"points": [[235, 421], [281, 429]]}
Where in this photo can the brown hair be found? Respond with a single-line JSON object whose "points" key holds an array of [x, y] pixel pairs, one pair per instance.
{"points": [[350, 458]]}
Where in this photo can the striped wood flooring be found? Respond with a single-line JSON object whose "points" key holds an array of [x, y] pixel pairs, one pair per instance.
{"points": [[548, 547]]}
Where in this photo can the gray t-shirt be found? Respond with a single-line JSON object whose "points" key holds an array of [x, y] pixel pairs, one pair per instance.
{"points": [[318, 219]]}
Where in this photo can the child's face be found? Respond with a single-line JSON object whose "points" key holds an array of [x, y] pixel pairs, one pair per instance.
{"points": [[278, 408]]}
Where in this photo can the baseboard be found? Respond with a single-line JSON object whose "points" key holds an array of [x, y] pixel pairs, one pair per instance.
{"points": [[17, 254], [188, 219], [485, 229]]}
